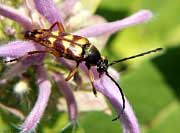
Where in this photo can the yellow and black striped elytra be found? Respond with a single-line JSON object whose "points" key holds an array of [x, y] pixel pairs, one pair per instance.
{"points": [[77, 48], [67, 45]]}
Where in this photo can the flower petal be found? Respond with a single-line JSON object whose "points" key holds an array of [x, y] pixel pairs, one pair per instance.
{"points": [[48, 10], [111, 91], [44, 92], [16, 69], [21, 66], [111, 27], [76, 22], [67, 6], [67, 92], [13, 111], [16, 16], [16, 48]]}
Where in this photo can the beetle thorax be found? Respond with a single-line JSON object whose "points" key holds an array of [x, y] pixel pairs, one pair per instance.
{"points": [[92, 55]]}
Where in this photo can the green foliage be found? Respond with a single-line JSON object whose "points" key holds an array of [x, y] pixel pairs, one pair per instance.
{"points": [[150, 83], [98, 122]]}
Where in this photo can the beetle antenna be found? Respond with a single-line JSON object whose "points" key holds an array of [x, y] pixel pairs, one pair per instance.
{"points": [[134, 56], [122, 95]]}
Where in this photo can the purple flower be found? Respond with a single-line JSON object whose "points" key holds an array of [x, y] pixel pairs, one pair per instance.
{"points": [[99, 29], [128, 118], [41, 103], [9, 31]]}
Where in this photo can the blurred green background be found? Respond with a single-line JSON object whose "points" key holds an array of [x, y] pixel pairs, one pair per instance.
{"points": [[150, 83]]}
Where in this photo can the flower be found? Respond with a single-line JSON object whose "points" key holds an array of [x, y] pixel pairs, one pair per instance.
{"points": [[48, 10]]}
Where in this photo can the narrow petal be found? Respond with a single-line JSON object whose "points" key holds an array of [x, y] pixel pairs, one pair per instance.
{"points": [[67, 93], [69, 64], [13, 111], [111, 27], [86, 102], [67, 6], [44, 92], [48, 10], [77, 22], [15, 15], [21, 66], [111, 91], [16, 69], [16, 48]]}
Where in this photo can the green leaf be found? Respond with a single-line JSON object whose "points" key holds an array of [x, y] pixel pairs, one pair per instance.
{"points": [[153, 91], [167, 121], [98, 122], [116, 4], [3, 125], [59, 121], [163, 30], [147, 91], [72, 127]]}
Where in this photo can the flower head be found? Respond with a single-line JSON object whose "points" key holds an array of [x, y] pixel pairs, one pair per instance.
{"points": [[48, 11]]}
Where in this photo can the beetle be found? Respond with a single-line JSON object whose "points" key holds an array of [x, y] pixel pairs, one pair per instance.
{"points": [[77, 48]]}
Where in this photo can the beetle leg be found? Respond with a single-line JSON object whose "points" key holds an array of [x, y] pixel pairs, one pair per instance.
{"points": [[72, 73], [26, 55], [37, 52], [56, 53], [59, 25], [91, 76], [78, 80]]}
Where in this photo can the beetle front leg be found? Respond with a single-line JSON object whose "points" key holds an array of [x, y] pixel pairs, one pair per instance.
{"points": [[72, 72], [91, 76], [59, 25]]}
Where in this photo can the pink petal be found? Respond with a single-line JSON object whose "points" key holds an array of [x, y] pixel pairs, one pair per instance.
{"points": [[67, 6], [48, 9], [67, 93], [112, 27], [21, 66], [111, 91], [16, 48], [13, 111], [44, 92], [15, 15]]}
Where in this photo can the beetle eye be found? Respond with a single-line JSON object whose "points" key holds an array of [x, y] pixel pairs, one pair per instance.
{"points": [[28, 34]]}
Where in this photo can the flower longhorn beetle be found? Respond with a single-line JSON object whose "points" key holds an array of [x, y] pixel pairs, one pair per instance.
{"points": [[77, 48]]}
